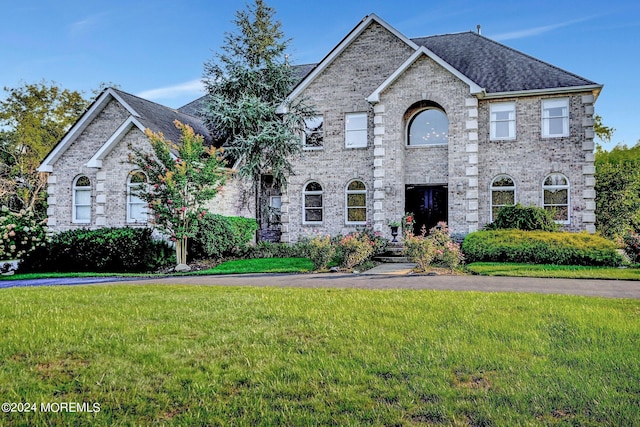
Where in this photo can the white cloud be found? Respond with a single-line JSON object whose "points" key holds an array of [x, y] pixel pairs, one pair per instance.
{"points": [[86, 25], [192, 87], [529, 32]]}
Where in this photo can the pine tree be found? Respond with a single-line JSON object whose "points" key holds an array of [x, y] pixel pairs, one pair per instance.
{"points": [[246, 84]]}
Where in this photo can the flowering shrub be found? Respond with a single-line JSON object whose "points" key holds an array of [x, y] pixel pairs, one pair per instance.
{"points": [[21, 233], [436, 247], [632, 246], [356, 247], [321, 251]]}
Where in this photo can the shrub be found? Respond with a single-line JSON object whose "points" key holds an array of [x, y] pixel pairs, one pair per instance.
{"points": [[321, 251], [104, 250], [277, 250], [21, 233], [632, 246], [356, 248], [219, 236], [540, 247], [524, 218], [437, 247]]}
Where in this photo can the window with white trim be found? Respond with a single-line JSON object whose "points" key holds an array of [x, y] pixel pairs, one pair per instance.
{"points": [[429, 126], [355, 130], [313, 203], [503, 120], [136, 206], [503, 193], [81, 200], [555, 196], [356, 202], [313, 137], [555, 117]]}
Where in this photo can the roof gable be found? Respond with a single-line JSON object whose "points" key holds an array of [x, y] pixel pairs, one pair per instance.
{"points": [[340, 48], [143, 114]]}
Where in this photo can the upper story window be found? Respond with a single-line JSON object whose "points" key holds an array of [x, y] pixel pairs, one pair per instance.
{"points": [[82, 200], [313, 138], [555, 117], [555, 197], [355, 130], [313, 203], [136, 207], [428, 126], [356, 203], [503, 120], [503, 193]]}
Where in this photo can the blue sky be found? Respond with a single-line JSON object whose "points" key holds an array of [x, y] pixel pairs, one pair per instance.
{"points": [[156, 49]]}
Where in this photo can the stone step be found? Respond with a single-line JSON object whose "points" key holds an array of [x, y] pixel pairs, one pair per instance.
{"points": [[391, 259]]}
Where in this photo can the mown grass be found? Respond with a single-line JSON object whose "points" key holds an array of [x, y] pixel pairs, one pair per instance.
{"points": [[257, 265], [552, 271], [197, 355]]}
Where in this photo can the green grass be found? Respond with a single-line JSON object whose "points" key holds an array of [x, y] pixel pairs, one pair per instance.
{"points": [[547, 270], [198, 355], [258, 265]]}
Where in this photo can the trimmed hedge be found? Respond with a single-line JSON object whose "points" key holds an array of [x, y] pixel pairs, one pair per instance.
{"points": [[524, 218], [113, 250], [219, 236], [540, 247]]}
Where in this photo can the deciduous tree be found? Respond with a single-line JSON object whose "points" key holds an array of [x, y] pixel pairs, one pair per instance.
{"points": [[181, 178]]}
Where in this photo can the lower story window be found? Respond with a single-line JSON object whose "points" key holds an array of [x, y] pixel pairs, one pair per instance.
{"points": [[503, 193], [555, 191], [356, 203], [313, 204]]}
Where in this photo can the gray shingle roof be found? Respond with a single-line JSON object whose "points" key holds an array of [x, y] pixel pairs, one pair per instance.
{"points": [[159, 118], [496, 67]]}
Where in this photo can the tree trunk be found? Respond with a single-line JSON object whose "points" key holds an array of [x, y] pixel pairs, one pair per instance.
{"points": [[181, 251]]}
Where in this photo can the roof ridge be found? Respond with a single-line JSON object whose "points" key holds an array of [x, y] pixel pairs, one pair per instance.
{"points": [[175, 110]]}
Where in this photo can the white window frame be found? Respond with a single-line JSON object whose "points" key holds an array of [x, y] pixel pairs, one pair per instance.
{"points": [[346, 203], [77, 189], [134, 200], [307, 129], [305, 208], [355, 136], [493, 188], [410, 123], [547, 106], [503, 107], [556, 187]]}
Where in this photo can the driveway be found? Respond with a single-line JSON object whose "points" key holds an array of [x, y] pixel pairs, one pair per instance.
{"points": [[597, 288]]}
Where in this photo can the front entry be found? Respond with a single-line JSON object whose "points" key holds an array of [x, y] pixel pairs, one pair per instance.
{"points": [[428, 203]]}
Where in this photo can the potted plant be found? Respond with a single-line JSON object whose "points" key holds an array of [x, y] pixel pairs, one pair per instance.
{"points": [[394, 225]]}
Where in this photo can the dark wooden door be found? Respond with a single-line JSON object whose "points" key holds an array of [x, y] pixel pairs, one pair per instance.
{"points": [[428, 203]]}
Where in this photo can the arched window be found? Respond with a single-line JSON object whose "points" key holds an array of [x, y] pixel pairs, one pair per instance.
{"points": [[555, 196], [82, 200], [356, 202], [503, 193], [428, 126], [313, 203], [136, 207]]}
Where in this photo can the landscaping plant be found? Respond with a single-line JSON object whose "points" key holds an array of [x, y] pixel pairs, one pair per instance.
{"points": [[435, 247], [321, 251], [356, 248], [632, 246], [21, 233]]}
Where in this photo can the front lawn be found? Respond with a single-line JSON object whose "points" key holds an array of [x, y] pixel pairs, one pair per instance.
{"points": [[556, 271], [201, 355]]}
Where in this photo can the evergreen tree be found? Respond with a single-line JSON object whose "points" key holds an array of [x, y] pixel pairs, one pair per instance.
{"points": [[246, 84]]}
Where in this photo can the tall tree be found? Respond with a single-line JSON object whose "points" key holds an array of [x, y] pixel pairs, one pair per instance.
{"points": [[33, 119], [181, 178], [246, 83]]}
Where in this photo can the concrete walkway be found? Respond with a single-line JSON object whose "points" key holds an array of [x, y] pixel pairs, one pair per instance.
{"points": [[366, 280]]}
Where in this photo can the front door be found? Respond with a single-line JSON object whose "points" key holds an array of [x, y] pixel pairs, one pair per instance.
{"points": [[428, 203]]}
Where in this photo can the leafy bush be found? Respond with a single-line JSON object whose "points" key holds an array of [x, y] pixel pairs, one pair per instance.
{"points": [[103, 250], [21, 233], [219, 236], [540, 247], [524, 218], [632, 246], [355, 248], [277, 250], [321, 251], [436, 247]]}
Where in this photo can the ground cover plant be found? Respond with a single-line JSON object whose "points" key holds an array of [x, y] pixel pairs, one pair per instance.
{"points": [[185, 355]]}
